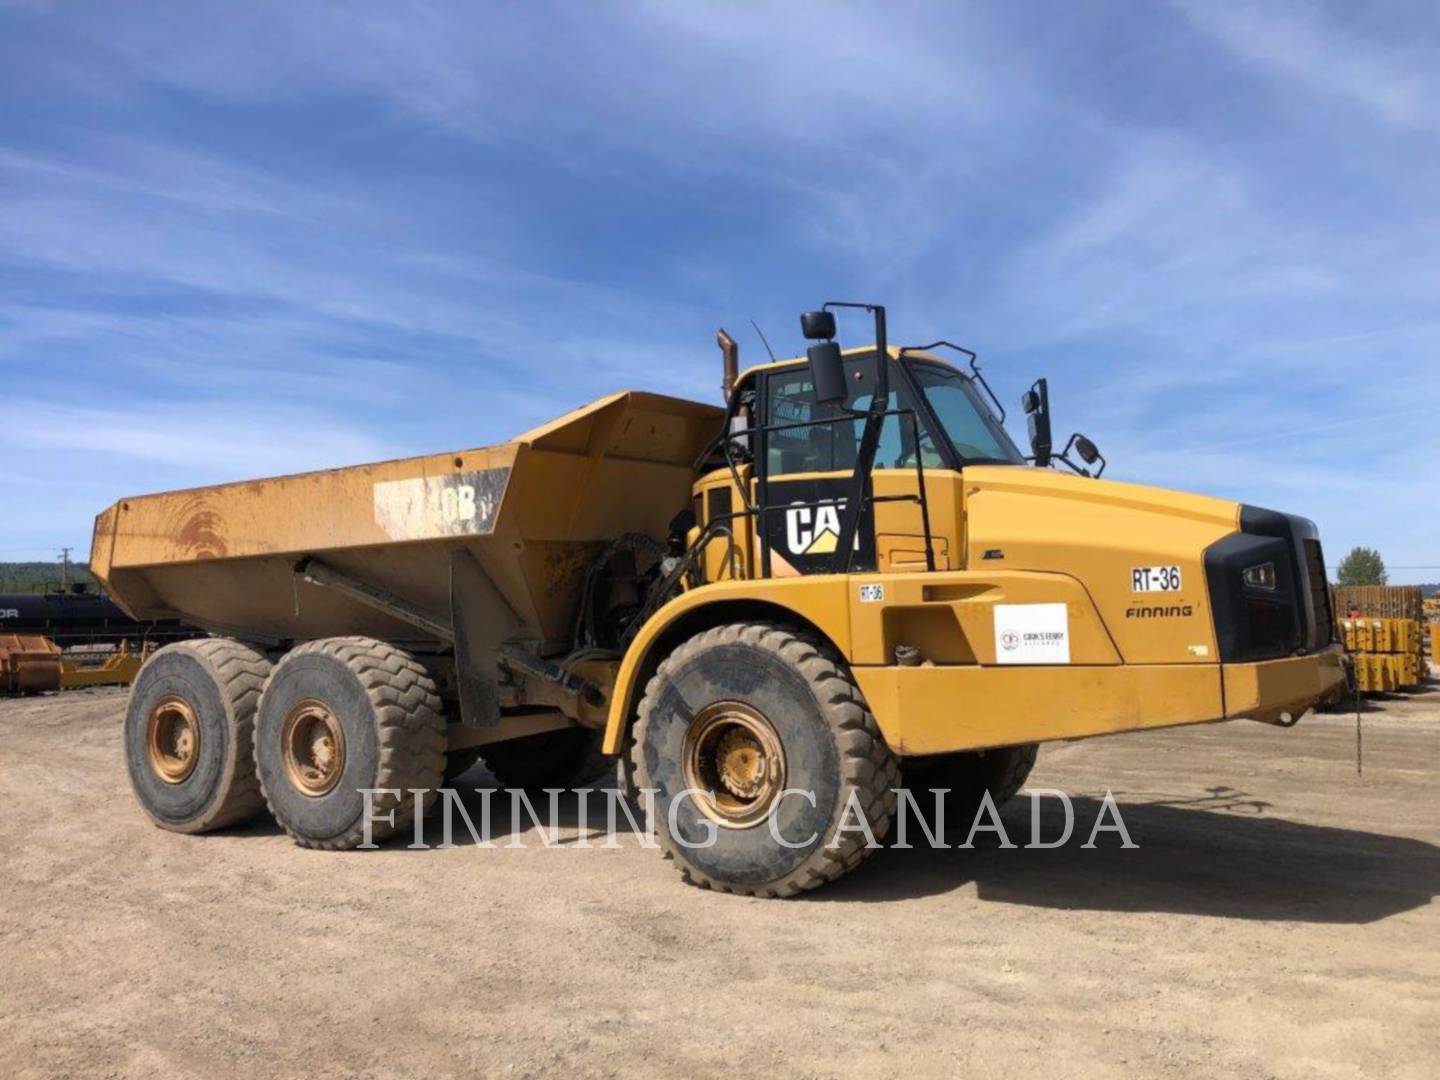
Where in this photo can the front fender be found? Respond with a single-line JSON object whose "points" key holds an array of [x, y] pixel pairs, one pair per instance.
{"points": [[948, 615], [820, 601]]}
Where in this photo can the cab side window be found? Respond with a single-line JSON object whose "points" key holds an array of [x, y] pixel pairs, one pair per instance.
{"points": [[824, 447], [815, 448]]}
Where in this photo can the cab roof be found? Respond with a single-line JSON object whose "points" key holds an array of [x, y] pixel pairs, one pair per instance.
{"points": [[859, 350]]}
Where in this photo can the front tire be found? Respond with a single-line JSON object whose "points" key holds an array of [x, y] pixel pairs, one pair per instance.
{"points": [[747, 712], [339, 716], [188, 730]]}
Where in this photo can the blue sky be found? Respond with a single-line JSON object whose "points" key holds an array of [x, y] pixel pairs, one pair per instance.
{"points": [[249, 239]]}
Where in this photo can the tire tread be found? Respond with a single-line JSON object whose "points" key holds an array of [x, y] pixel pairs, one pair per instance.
{"points": [[239, 673], [868, 766], [410, 733]]}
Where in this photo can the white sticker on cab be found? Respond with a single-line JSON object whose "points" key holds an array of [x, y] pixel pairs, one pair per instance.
{"points": [[872, 594], [1032, 634]]}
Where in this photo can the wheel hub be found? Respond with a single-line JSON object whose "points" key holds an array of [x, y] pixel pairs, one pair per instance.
{"points": [[172, 739], [732, 751], [312, 746], [741, 763]]}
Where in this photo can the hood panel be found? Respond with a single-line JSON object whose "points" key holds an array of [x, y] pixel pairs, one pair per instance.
{"points": [[1101, 532]]}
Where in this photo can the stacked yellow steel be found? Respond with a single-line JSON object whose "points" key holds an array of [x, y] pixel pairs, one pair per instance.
{"points": [[1387, 652], [1432, 626], [1385, 634], [1380, 601]]}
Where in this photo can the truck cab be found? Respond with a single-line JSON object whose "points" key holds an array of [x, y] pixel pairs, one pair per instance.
{"points": [[798, 456]]}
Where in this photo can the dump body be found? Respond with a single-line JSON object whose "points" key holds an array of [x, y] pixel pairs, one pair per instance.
{"points": [[531, 513]]}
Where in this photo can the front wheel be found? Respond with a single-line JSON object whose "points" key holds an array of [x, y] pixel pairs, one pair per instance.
{"points": [[771, 776]]}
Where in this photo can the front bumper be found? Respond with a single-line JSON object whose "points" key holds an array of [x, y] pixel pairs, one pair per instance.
{"points": [[934, 710], [1269, 690]]}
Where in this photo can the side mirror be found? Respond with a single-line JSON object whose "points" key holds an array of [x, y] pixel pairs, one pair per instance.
{"points": [[1036, 402], [827, 372], [1089, 454], [817, 325]]}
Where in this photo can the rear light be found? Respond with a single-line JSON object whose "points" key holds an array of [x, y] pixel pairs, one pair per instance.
{"points": [[1261, 576]]}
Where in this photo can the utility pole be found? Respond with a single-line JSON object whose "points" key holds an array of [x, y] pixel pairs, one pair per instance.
{"points": [[64, 569]]}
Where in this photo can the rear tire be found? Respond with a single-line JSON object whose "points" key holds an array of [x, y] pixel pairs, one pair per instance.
{"points": [[341, 715], [188, 732], [745, 711]]}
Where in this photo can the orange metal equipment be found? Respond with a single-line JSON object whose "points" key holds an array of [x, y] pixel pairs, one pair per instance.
{"points": [[29, 664], [119, 668]]}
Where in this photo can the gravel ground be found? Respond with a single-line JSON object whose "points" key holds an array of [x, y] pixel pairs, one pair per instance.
{"points": [[1277, 919]]}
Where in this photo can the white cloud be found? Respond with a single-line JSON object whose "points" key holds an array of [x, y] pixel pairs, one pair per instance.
{"points": [[216, 438], [1395, 81], [416, 226]]}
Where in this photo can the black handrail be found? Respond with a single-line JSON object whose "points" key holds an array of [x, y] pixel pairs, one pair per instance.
{"points": [[969, 354]]}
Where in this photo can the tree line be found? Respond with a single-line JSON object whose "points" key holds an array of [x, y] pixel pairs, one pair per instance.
{"points": [[39, 577]]}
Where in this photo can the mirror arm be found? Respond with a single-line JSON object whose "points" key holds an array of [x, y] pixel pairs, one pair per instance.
{"points": [[869, 436], [1037, 412], [1063, 456]]}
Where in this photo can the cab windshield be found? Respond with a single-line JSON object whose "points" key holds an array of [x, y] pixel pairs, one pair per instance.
{"points": [[968, 422], [969, 432]]}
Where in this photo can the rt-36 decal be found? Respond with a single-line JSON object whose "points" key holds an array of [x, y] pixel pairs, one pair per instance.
{"points": [[1155, 579]]}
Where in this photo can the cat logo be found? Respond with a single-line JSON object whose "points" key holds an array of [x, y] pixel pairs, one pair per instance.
{"points": [[803, 534], [813, 530]]}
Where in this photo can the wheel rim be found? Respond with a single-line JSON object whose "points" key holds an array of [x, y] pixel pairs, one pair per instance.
{"points": [[312, 744], [172, 739], [732, 751]]}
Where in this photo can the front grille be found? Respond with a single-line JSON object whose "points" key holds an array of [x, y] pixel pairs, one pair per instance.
{"points": [[1264, 624], [1272, 627], [1319, 594]]}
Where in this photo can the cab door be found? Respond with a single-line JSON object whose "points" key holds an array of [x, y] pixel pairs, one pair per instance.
{"points": [[805, 465]]}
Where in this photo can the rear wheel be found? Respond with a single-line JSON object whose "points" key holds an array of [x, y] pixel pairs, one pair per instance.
{"points": [[341, 716], [766, 722], [188, 731]]}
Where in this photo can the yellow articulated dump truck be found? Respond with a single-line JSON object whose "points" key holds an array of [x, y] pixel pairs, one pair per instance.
{"points": [[847, 578]]}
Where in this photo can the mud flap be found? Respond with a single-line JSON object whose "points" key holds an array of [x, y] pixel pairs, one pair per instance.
{"points": [[482, 618]]}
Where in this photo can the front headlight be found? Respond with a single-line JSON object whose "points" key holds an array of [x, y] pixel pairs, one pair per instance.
{"points": [[1261, 576]]}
